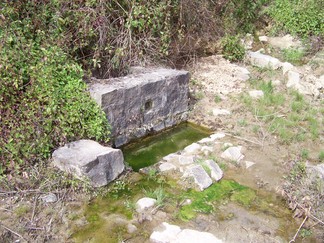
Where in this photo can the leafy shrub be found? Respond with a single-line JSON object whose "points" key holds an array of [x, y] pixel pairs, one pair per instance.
{"points": [[242, 15], [295, 56], [232, 48], [301, 17], [43, 100]]}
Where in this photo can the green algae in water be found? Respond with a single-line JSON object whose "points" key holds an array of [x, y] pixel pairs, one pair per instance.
{"points": [[206, 201], [152, 149], [101, 212]]}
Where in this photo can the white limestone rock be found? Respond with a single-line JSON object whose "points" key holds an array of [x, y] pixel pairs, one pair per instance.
{"points": [[216, 172], [256, 94], [192, 149], [293, 80], [144, 204], [207, 150], [168, 233], [284, 42], [242, 73], [200, 176], [263, 38], [316, 171], [220, 112], [233, 154], [195, 236], [170, 157], [217, 136], [286, 66], [89, 159], [276, 82], [205, 140], [167, 166], [165, 233], [264, 61], [248, 164], [186, 160]]}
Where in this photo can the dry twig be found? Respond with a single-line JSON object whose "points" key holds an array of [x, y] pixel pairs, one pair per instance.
{"points": [[301, 225], [13, 232]]}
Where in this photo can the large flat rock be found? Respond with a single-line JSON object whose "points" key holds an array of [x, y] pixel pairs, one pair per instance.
{"points": [[145, 101], [168, 233], [89, 159]]}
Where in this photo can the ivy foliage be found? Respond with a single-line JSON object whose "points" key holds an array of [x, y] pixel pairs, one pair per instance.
{"points": [[299, 17], [43, 99]]}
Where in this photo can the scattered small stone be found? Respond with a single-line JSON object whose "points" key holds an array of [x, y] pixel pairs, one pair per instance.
{"points": [[276, 82], [207, 150], [186, 160], [199, 175], [317, 170], [286, 66], [220, 112], [170, 157], [216, 136], [233, 154], [167, 166], [248, 164], [215, 171], [205, 140], [226, 146], [131, 228], [256, 94], [242, 73], [263, 38], [49, 198], [144, 204], [247, 42], [186, 202], [192, 149], [293, 79]]}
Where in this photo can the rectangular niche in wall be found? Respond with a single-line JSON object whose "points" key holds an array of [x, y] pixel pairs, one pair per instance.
{"points": [[148, 100]]}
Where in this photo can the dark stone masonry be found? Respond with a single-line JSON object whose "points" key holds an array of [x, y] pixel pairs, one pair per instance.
{"points": [[146, 101]]}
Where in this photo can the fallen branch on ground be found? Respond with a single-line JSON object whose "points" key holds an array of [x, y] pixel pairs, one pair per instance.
{"points": [[13, 232]]}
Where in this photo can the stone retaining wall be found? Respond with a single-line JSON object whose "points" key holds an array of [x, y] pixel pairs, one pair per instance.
{"points": [[146, 101]]}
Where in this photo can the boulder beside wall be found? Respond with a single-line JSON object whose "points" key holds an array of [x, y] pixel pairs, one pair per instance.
{"points": [[89, 159]]}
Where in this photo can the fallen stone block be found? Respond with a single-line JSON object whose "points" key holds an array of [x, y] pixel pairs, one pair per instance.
{"points": [[168, 233], [192, 149], [200, 176], [233, 154], [89, 159], [146, 100], [264, 61], [167, 166], [186, 160], [216, 172]]}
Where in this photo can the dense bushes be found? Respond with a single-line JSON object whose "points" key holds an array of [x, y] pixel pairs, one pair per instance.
{"points": [[300, 17], [43, 102]]}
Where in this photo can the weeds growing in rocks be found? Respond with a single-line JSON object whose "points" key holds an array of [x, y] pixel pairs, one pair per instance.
{"points": [[294, 56]]}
